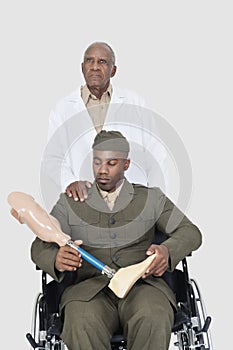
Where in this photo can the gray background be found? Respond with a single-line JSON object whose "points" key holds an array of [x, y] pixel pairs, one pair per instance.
{"points": [[178, 54]]}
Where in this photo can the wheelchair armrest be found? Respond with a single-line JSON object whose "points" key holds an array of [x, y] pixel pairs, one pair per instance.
{"points": [[178, 284], [54, 290]]}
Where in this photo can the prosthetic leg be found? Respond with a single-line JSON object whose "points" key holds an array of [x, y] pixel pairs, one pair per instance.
{"points": [[47, 228]]}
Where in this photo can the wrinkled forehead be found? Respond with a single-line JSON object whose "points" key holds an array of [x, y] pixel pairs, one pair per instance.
{"points": [[98, 50], [107, 155]]}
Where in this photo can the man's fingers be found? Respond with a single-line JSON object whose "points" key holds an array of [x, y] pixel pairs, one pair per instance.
{"points": [[68, 260], [68, 192], [78, 242], [75, 195], [149, 252], [78, 190], [81, 193], [72, 262], [82, 189]]}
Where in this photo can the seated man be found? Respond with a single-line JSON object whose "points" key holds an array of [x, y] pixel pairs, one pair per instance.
{"points": [[116, 224]]}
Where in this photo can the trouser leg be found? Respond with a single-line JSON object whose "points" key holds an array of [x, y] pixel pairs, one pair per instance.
{"points": [[90, 325], [147, 318]]}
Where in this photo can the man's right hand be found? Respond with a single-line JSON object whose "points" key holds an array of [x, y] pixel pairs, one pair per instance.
{"points": [[78, 190], [68, 258]]}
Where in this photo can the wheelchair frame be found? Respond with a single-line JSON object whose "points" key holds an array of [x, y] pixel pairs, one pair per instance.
{"points": [[191, 326]]}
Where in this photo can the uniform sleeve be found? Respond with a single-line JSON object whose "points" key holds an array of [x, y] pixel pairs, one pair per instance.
{"points": [[183, 236]]}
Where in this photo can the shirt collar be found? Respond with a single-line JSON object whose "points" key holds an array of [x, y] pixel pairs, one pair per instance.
{"points": [[86, 94], [114, 194]]}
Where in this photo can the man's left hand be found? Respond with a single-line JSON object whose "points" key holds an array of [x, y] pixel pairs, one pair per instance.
{"points": [[160, 263]]}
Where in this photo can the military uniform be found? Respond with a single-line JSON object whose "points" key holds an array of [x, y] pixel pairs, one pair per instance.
{"points": [[118, 238]]}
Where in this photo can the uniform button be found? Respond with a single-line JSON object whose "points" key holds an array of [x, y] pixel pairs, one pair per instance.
{"points": [[113, 235], [115, 258], [112, 221]]}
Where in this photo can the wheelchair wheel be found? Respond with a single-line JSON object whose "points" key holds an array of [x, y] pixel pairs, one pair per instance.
{"points": [[40, 338], [194, 331], [35, 328], [200, 318]]}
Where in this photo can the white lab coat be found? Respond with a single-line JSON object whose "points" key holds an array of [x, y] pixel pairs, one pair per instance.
{"points": [[67, 157]]}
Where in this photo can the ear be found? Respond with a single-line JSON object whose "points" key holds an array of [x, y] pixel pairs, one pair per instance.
{"points": [[127, 163], [114, 69], [82, 67]]}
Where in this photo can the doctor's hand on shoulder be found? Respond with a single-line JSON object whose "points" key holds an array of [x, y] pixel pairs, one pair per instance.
{"points": [[78, 190]]}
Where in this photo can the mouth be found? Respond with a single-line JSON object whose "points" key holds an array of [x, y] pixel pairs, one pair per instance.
{"points": [[95, 76], [102, 180]]}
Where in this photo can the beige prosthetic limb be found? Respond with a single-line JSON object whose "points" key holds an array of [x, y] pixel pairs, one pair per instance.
{"points": [[47, 228], [27, 211], [125, 277]]}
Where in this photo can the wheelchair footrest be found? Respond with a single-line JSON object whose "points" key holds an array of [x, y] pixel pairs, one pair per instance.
{"points": [[32, 341], [206, 325]]}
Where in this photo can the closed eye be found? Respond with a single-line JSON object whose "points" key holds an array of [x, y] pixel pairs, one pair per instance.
{"points": [[112, 162]]}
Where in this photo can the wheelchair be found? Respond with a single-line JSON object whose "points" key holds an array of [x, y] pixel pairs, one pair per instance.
{"points": [[190, 329]]}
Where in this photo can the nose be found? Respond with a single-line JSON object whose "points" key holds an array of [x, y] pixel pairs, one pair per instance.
{"points": [[95, 65], [103, 169]]}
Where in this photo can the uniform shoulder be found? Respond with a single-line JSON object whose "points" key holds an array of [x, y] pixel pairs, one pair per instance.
{"points": [[152, 188], [155, 191]]}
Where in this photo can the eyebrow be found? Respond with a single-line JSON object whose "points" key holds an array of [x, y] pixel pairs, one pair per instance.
{"points": [[108, 159], [99, 58]]}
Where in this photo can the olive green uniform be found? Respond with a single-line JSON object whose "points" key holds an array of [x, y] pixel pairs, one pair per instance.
{"points": [[118, 238]]}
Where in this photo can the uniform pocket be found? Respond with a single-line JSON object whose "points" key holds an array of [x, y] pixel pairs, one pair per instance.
{"points": [[81, 229]]}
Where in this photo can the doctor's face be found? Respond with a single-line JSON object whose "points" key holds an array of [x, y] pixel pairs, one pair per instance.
{"points": [[109, 168], [98, 67]]}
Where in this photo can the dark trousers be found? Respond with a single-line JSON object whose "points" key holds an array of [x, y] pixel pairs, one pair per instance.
{"points": [[145, 315]]}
